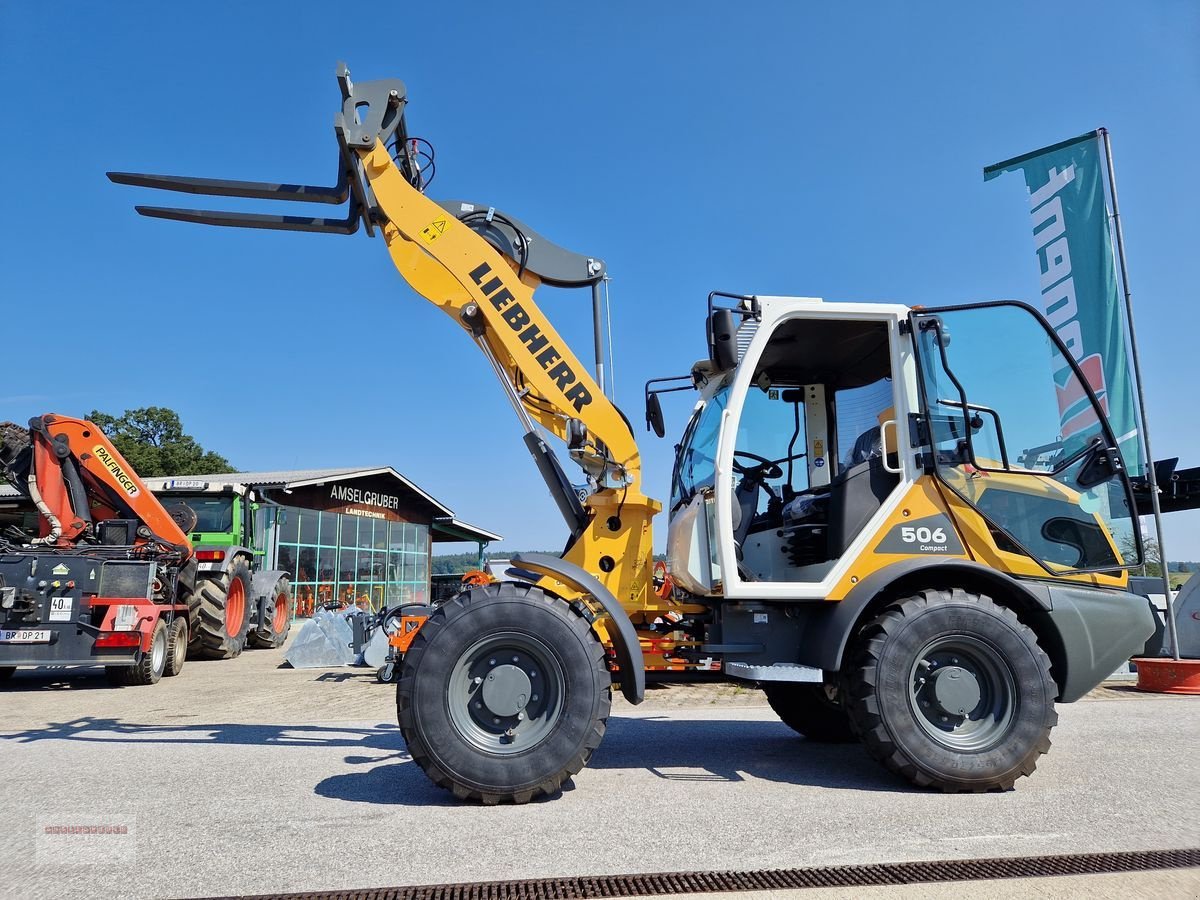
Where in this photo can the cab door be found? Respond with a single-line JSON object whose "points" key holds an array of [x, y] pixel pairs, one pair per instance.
{"points": [[1020, 437], [808, 462]]}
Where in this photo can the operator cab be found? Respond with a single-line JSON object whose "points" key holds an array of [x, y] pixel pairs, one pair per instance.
{"points": [[811, 408]]}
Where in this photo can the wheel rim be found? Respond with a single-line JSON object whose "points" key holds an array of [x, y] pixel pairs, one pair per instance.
{"points": [[235, 608], [963, 693], [506, 693], [158, 650], [279, 621]]}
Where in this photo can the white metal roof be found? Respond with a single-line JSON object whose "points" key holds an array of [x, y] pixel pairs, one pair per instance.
{"points": [[290, 478], [477, 533]]}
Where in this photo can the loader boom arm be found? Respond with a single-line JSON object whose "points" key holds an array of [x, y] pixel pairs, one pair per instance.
{"points": [[451, 254]]}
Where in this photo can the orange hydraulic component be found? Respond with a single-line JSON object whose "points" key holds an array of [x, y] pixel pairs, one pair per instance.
{"points": [[476, 578], [78, 477], [404, 635], [666, 586]]}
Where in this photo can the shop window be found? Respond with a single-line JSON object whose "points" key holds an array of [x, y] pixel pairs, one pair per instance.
{"points": [[352, 559], [286, 560], [329, 529], [308, 526], [326, 562], [288, 525], [346, 565]]}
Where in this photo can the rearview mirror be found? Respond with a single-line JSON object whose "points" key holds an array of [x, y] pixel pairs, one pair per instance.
{"points": [[722, 339], [1097, 468], [654, 415]]}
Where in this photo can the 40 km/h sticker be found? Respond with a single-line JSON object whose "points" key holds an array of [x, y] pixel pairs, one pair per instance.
{"points": [[934, 534]]}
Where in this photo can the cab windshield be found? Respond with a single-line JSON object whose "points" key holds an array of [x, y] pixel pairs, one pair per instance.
{"points": [[213, 513], [695, 463], [1016, 435]]}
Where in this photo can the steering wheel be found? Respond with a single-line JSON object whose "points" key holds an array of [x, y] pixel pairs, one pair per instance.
{"points": [[766, 468]]}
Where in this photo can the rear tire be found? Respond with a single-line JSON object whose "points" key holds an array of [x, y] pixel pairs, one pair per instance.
{"points": [[273, 631], [504, 694], [812, 710], [150, 667], [222, 613], [952, 691], [177, 641]]}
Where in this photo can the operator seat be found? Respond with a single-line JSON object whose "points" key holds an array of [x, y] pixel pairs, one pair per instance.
{"points": [[857, 492]]}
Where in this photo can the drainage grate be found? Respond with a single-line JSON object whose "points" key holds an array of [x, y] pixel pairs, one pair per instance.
{"points": [[666, 884]]}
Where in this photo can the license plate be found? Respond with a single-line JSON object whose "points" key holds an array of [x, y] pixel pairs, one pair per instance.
{"points": [[25, 636]]}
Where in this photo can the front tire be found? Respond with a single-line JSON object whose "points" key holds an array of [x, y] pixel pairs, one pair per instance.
{"points": [[504, 694], [813, 710], [952, 691]]}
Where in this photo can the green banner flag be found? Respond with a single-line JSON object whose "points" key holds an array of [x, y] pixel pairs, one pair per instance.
{"points": [[1079, 291]]}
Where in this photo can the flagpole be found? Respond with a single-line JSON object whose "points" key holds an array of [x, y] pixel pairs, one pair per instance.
{"points": [[1151, 475]]}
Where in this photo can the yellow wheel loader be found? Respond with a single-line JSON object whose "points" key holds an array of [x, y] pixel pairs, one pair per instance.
{"points": [[909, 526]]}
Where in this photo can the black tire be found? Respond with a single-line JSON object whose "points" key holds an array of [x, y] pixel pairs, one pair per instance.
{"points": [[177, 646], [150, 667], [220, 632], [277, 618], [951, 691], [6, 672], [467, 742], [813, 710]]}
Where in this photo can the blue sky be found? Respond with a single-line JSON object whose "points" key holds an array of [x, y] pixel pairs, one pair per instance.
{"points": [[829, 150]]}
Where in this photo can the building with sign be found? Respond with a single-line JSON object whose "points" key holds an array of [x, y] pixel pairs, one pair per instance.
{"points": [[360, 535]]}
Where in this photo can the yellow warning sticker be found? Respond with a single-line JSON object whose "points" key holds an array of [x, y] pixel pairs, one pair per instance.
{"points": [[119, 474], [433, 230]]}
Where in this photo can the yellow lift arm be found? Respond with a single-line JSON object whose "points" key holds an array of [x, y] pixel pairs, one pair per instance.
{"points": [[482, 268]]}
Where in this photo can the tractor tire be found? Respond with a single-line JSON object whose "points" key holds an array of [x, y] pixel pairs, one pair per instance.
{"points": [[504, 694], [951, 691], [149, 669], [177, 646], [277, 618], [813, 710], [185, 592], [222, 613]]}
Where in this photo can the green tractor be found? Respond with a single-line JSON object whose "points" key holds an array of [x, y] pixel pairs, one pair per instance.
{"points": [[236, 603]]}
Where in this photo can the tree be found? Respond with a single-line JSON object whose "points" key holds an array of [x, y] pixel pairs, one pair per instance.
{"points": [[1151, 555], [152, 440]]}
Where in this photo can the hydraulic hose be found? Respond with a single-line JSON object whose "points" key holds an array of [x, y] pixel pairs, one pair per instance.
{"points": [[36, 496]]}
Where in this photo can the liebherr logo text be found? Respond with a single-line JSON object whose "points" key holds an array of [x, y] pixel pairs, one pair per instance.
{"points": [[547, 355], [118, 473]]}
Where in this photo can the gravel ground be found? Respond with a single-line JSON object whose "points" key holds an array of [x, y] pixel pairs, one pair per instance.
{"points": [[258, 685], [275, 779]]}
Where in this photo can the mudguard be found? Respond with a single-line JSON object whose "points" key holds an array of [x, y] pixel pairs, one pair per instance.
{"points": [[824, 639], [262, 597], [624, 636]]}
